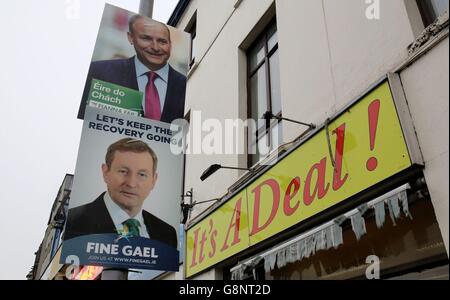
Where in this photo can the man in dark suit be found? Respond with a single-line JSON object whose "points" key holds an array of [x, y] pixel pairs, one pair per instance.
{"points": [[148, 72], [130, 175]]}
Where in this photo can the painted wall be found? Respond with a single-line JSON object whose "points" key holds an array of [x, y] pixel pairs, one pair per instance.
{"points": [[330, 53], [215, 87], [426, 89]]}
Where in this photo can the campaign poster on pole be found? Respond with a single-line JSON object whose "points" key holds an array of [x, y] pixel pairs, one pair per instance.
{"points": [[138, 67], [124, 209]]}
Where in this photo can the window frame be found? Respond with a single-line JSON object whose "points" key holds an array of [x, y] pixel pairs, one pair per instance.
{"points": [[262, 131], [427, 12], [192, 30]]}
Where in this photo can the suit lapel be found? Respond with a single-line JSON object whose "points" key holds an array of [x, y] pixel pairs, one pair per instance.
{"points": [[131, 74], [171, 95], [105, 223]]}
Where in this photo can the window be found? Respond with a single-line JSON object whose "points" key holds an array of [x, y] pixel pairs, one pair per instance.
{"points": [[264, 92], [192, 30], [430, 10]]}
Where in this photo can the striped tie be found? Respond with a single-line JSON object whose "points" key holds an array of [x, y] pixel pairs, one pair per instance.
{"points": [[152, 104], [131, 226]]}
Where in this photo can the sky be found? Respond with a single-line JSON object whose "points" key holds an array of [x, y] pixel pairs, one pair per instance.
{"points": [[45, 54]]}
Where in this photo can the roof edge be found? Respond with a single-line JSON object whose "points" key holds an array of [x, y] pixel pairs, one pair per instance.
{"points": [[178, 12]]}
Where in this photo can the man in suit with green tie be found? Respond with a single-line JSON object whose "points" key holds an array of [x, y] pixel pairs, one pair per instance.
{"points": [[130, 175]]}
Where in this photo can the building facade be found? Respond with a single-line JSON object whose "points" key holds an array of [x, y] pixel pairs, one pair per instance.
{"points": [[316, 62], [46, 264], [335, 114]]}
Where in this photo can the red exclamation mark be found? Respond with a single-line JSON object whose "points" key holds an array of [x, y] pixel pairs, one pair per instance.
{"points": [[374, 110]]}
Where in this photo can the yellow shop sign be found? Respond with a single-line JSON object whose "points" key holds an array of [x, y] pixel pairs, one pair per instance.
{"points": [[368, 146]]}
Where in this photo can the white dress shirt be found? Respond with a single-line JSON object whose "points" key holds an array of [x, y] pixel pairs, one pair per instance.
{"points": [[160, 81], [119, 216]]}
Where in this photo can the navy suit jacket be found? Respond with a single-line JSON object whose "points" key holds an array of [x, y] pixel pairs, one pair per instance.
{"points": [[94, 218], [123, 72]]}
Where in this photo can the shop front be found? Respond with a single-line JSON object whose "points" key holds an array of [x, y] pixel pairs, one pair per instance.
{"points": [[348, 200]]}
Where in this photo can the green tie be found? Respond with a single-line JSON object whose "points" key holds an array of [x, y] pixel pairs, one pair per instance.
{"points": [[132, 227]]}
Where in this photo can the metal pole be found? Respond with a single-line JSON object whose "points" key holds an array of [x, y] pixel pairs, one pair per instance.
{"points": [[114, 274], [146, 8], [235, 168]]}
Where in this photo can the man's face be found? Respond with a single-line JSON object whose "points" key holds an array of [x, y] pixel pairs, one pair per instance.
{"points": [[151, 42], [130, 179]]}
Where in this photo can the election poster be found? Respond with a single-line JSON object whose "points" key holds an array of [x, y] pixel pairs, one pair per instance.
{"points": [[124, 209], [138, 67]]}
